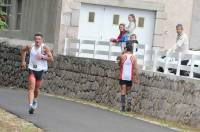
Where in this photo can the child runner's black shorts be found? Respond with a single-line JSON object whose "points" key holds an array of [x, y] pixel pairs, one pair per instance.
{"points": [[125, 82], [37, 74]]}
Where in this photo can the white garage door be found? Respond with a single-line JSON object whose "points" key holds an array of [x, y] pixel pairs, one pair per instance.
{"points": [[101, 23]]}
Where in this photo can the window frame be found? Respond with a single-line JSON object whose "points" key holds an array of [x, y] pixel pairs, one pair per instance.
{"points": [[141, 21], [8, 17], [114, 19], [91, 17], [18, 15], [13, 14]]}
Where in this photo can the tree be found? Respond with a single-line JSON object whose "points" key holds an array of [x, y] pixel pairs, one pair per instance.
{"points": [[2, 17]]}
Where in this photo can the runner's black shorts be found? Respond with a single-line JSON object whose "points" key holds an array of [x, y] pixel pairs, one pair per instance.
{"points": [[125, 82], [36, 74]]}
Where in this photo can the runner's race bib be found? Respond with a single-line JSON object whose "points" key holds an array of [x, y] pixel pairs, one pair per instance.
{"points": [[34, 66]]}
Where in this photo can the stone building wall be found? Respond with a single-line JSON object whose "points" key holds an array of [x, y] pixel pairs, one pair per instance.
{"points": [[195, 32], [158, 95], [168, 14], [37, 16], [175, 12], [58, 19]]}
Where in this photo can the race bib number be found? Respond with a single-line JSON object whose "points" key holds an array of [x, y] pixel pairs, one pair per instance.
{"points": [[34, 66]]}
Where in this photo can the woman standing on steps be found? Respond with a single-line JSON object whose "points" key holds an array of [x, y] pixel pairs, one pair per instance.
{"points": [[132, 25]]}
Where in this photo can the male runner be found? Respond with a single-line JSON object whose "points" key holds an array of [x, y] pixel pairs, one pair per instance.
{"points": [[128, 73], [39, 55]]}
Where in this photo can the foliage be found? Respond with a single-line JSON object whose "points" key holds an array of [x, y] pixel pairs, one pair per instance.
{"points": [[2, 17]]}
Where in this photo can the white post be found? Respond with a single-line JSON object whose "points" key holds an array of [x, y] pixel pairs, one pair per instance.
{"points": [[110, 48], [66, 48], [94, 53], [192, 66], [143, 61], [79, 48], [166, 63], [145, 56], [155, 60], [179, 64]]}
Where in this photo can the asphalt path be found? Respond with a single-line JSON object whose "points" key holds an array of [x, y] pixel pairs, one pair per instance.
{"points": [[59, 115]]}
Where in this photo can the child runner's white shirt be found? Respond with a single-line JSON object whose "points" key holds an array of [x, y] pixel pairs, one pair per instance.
{"points": [[126, 69], [34, 64]]}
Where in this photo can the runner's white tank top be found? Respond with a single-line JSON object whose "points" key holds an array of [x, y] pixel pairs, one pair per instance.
{"points": [[126, 68], [34, 64]]}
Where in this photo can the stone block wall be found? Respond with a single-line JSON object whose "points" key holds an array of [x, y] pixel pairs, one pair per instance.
{"points": [[158, 95]]}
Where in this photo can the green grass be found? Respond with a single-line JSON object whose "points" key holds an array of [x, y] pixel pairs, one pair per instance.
{"points": [[11, 123]]}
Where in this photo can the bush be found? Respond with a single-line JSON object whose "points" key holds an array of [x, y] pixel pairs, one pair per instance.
{"points": [[2, 18]]}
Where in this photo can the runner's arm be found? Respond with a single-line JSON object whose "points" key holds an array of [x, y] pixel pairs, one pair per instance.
{"points": [[23, 56], [49, 56], [23, 52], [120, 59]]}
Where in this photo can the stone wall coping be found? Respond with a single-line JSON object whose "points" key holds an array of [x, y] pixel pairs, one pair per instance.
{"points": [[147, 5], [19, 42]]}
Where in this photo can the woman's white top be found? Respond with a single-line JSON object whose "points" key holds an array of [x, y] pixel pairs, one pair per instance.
{"points": [[131, 28]]}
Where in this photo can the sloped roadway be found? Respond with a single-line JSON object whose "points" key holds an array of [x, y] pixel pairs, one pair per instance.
{"points": [[57, 115]]}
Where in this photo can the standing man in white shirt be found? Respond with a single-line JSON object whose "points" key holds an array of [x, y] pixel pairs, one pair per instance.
{"points": [[132, 25], [182, 44]]}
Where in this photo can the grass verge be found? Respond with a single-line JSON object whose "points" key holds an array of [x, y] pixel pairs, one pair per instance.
{"points": [[11, 123]]}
